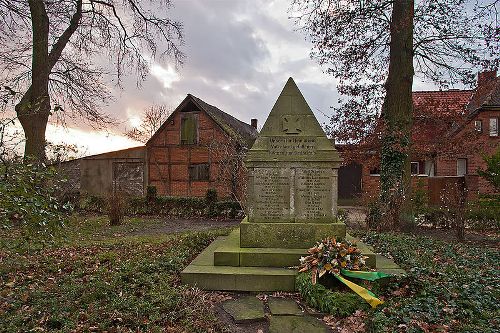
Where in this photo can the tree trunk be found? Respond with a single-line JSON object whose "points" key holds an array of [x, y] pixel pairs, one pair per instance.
{"points": [[33, 109], [395, 175]]}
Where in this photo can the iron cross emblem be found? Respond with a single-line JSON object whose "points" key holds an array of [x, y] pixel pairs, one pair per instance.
{"points": [[292, 124]]}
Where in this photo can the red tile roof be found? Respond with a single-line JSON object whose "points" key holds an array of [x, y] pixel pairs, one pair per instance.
{"points": [[486, 95], [435, 113]]}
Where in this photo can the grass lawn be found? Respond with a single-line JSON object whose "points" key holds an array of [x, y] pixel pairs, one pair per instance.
{"points": [[116, 279], [100, 279]]}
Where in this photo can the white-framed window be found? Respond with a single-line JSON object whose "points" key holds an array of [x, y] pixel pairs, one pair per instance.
{"points": [[414, 168], [493, 126], [461, 167], [478, 125]]}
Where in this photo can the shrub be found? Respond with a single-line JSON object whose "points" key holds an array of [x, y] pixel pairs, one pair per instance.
{"points": [[337, 303], [93, 204], [116, 207], [151, 193], [483, 218], [211, 200], [492, 171], [30, 200], [211, 196], [419, 198]]}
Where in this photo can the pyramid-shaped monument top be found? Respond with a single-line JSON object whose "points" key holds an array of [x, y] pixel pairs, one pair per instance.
{"points": [[292, 132], [291, 115]]}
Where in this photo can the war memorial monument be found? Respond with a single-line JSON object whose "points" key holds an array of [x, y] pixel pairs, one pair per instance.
{"points": [[291, 204]]}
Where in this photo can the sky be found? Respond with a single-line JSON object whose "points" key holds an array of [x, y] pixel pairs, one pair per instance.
{"points": [[240, 54]]}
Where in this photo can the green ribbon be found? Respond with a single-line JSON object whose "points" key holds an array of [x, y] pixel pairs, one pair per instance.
{"points": [[366, 294], [370, 276]]}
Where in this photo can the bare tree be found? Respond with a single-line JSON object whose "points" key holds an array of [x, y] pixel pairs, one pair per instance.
{"points": [[151, 120], [375, 48], [230, 156], [67, 52]]}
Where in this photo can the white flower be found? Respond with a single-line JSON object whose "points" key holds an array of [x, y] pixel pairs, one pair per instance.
{"points": [[302, 260]]}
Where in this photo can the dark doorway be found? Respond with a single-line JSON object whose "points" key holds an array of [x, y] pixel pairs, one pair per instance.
{"points": [[349, 183]]}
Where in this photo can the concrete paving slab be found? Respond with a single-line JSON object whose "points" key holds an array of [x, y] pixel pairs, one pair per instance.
{"points": [[244, 309], [296, 324], [283, 306]]}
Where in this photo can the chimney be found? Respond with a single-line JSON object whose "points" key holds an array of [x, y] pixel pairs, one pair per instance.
{"points": [[483, 78], [253, 122]]}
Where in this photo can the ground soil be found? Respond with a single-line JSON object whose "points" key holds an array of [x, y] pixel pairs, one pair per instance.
{"points": [[167, 226], [475, 238]]}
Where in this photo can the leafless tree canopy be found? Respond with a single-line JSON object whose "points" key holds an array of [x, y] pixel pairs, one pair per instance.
{"points": [[351, 39], [152, 118], [92, 45]]}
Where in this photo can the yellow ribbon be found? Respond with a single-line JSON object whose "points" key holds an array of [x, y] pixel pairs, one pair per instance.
{"points": [[367, 295]]}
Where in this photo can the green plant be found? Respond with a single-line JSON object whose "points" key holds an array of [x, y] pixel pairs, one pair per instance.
{"points": [[151, 193], [182, 207], [30, 200], [211, 200], [124, 284], [337, 303], [492, 171], [93, 203], [419, 198], [211, 196]]}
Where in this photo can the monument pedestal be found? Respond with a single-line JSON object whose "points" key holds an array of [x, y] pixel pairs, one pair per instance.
{"points": [[225, 265], [288, 235]]}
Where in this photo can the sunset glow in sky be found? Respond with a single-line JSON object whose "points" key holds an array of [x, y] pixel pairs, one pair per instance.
{"points": [[239, 56]]}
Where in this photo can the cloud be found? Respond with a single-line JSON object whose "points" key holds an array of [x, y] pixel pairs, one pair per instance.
{"points": [[166, 76], [239, 56]]}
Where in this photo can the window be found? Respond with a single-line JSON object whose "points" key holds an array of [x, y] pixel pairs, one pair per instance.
{"points": [[461, 166], [478, 125], [189, 129], [375, 171], [199, 172], [493, 126], [414, 168]]}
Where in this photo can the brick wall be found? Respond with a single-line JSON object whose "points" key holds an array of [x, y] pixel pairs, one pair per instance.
{"points": [[472, 145], [370, 184], [169, 160]]}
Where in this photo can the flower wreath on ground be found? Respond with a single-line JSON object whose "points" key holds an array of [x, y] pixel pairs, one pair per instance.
{"points": [[341, 258]]}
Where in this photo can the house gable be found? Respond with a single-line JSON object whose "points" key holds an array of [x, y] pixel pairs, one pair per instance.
{"points": [[187, 155]]}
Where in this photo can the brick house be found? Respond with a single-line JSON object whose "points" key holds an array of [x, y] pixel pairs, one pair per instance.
{"points": [[452, 130], [197, 148]]}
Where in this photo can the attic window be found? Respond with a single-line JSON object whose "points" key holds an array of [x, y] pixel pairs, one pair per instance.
{"points": [[189, 129], [478, 125]]}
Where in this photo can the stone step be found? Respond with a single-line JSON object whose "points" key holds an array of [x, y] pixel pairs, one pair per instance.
{"points": [[203, 274], [287, 235], [229, 253]]}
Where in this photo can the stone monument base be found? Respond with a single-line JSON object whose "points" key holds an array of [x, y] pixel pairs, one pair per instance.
{"points": [[288, 235], [225, 265]]}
